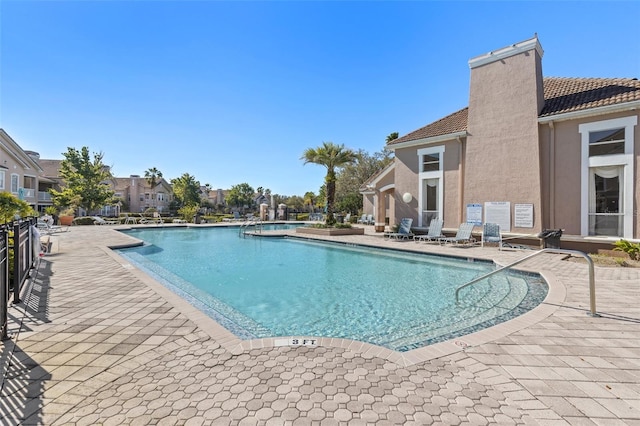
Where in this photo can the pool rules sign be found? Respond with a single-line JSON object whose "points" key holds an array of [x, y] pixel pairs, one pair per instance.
{"points": [[523, 215]]}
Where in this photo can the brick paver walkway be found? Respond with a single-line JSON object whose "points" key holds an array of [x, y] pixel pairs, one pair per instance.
{"points": [[98, 342]]}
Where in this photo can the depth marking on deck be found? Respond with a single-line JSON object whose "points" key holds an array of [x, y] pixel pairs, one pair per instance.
{"points": [[296, 341]]}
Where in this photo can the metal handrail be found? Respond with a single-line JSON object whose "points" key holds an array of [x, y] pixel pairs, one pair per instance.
{"points": [[254, 222], [592, 281]]}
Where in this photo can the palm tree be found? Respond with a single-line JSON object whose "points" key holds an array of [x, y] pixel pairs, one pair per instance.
{"points": [[331, 156], [310, 199], [152, 177], [392, 136]]}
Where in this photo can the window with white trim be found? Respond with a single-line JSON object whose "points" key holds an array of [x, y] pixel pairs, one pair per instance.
{"points": [[430, 198], [15, 179], [607, 177], [2, 179]]}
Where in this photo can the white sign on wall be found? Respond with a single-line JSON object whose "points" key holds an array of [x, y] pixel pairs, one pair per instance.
{"points": [[498, 212], [523, 215], [474, 214]]}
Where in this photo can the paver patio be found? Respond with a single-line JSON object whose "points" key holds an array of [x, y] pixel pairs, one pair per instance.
{"points": [[98, 342]]}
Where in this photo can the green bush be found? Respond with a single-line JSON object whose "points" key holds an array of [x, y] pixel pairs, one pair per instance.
{"points": [[85, 220], [632, 249], [188, 212], [215, 218]]}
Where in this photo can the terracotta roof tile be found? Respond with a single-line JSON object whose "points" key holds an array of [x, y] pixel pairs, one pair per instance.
{"points": [[51, 168], [577, 94], [456, 122], [561, 95]]}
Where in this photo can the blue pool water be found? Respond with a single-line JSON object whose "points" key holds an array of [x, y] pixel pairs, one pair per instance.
{"points": [[267, 287]]}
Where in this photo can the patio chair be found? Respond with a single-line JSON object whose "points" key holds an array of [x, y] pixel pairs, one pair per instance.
{"points": [[404, 230], [97, 220], [370, 220], [130, 220], [363, 219], [434, 234], [463, 236], [491, 234], [46, 226]]}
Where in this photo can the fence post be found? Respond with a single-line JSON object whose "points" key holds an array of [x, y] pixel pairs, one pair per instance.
{"points": [[4, 283], [17, 273]]}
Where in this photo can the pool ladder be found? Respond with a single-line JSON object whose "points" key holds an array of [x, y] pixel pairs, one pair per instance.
{"points": [[256, 223], [592, 283]]}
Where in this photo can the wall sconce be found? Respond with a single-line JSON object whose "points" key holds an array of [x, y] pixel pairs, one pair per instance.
{"points": [[406, 197]]}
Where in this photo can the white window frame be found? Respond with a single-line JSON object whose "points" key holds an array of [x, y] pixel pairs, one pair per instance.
{"points": [[436, 174], [2, 179], [15, 179], [625, 160]]}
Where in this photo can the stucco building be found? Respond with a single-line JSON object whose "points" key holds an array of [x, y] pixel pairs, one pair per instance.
{"points": [[136, 194], [529, 152], [22, 175]]}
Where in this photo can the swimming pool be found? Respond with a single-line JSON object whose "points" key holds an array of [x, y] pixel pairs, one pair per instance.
{"points": [[269, 287]]}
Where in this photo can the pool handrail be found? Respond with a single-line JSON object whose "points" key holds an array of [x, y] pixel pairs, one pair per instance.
{"points": [[256, 222], [592, 282]]}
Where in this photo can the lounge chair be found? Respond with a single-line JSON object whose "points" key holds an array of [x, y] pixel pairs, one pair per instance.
{"points": [[463, 236], [97, 220], [491, 234], [157, 219], [434, 234], [130, 220], [404, 230], [46, 226]]}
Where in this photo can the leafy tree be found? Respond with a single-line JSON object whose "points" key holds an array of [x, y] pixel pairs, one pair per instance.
{"points": [[84, 181], [152, 177], [260, 190], [350, 203], [186, 190], [10, 206], [240, 195], [279, 199], [310, 200], [353, 175], [295, 202], [332, 157], [188, 212]]}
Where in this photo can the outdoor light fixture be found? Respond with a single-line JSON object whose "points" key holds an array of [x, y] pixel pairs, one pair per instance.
{"points": [[406, 197]]}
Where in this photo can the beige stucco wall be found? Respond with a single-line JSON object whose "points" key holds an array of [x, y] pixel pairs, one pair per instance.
{"points": [[502, 154], [407, 180], [11, 166], [367, 204], [561, 153]]}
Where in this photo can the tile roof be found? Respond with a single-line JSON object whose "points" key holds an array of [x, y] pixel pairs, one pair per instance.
{"points": [[577, 94], [456, 122], [561, 95], [51, 168]]}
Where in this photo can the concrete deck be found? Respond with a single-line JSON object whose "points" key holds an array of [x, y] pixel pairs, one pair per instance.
{"points": [[96, 341]]}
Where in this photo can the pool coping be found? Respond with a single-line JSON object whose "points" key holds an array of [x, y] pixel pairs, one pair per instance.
{"points": [[555, 296]]}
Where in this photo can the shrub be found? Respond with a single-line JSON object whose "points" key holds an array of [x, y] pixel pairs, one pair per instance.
{"points": [[85, 220], [188, 212], [632, 249]]}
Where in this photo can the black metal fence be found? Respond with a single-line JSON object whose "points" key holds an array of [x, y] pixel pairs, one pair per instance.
{"points": [[17, 257]]}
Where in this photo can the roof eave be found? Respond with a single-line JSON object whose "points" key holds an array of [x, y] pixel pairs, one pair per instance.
{"points": [[607, 109], [427, 141]]}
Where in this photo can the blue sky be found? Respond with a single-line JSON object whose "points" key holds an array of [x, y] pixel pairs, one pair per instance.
{"points": [[234, 92]]}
